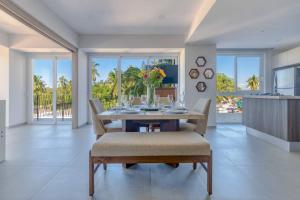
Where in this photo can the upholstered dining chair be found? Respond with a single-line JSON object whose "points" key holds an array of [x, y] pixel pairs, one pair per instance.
{"points": [[199, 126], [102, 127], [164, 100]]}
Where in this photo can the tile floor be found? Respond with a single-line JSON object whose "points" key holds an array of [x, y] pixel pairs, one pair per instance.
{"points": [[51, 163]]}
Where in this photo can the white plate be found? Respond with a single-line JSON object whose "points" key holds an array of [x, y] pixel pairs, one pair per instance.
{"points": [[181, 108], [130, 112], [176, 111]]}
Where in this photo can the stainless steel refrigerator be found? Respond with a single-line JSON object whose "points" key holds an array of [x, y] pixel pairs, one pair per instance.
{"points": [[287, 81]]}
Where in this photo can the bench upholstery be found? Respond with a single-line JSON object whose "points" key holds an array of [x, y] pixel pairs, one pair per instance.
{"points": [[151, 144], [157, 147]]}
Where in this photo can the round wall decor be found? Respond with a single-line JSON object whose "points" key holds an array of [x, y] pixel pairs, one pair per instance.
{"points": [[194, 73], [208, 73], [200, 61], [201, 86]]}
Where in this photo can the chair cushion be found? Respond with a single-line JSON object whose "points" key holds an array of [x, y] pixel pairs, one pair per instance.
{"points": [[185, 126], [151, 144], [114, 126]]}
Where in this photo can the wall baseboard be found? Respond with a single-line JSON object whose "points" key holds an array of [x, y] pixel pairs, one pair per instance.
{"points": [[82, 125], [282, 144], [17, 125]]}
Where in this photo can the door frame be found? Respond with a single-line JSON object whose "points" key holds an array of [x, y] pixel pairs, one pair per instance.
{"points": [[54, 58]]}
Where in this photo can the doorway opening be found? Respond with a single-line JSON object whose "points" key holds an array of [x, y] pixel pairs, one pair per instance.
{"points": [[52, 90]]}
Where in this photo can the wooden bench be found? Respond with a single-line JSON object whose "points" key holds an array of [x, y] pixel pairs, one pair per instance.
{"points": [[161, 147]]}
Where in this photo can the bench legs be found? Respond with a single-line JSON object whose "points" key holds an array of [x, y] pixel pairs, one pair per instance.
{"points": [[209, 174], [91, 175], [92, 170]]}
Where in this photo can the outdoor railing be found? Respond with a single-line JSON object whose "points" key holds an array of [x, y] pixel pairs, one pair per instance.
{"points": [[43, 106]]}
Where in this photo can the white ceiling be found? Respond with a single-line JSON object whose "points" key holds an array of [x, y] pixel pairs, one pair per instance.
{"points": [[10, 25], [251, 24], [126, 16]]}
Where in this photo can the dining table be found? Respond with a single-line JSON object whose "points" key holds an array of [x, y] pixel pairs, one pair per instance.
{"points": [[168, 120]]}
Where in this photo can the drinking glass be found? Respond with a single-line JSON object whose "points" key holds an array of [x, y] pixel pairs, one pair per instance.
{"points": [[181, 100], [157, 101], [124, 101], [171, 99], [143, 100], [131, 98]]}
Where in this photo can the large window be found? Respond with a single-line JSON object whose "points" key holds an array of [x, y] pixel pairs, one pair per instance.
{"points": [[114, 76], [237, 75]]}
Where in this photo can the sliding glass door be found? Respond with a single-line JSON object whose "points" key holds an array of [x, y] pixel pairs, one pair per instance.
{"points": [[64, 90], [52, 90], [43, 90]]}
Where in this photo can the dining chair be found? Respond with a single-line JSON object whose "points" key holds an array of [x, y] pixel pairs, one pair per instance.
{"points": [[202, 106], [164, 100], [199, 126], [102, 126]]}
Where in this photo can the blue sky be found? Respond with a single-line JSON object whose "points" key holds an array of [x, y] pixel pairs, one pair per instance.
{"points": [[246, 67], [43, 68]]}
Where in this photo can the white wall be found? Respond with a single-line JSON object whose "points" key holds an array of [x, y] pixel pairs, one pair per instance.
{"points": [[82, 88], [30, 42], [17, 87], [191, 93], [4, 78], [131, 41], [3, 38], [38, 10]]}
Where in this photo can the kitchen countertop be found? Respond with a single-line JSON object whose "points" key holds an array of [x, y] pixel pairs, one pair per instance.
{"points": [[271, 97]]}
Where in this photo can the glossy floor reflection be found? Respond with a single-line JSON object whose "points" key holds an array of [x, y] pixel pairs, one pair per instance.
{"points": [[51, 162]]}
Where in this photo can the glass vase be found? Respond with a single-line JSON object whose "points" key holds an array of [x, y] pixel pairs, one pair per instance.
{"points": [[150, 95]]}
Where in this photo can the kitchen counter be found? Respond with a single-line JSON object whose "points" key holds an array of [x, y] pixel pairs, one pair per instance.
{"points": [[275, 119]]}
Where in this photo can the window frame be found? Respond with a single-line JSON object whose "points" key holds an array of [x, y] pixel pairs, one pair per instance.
{"points": [[119, 57], [261, 73]]}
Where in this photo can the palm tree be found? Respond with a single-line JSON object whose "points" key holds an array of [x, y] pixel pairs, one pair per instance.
{"points": [[64, 89], [132, 83], [95, 72], [39, 87], [253, 83], [112, 82]]}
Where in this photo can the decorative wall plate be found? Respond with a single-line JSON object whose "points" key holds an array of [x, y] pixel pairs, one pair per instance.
{"points": [[208, 73], [194, 73], [201, 86], [200, 61]]}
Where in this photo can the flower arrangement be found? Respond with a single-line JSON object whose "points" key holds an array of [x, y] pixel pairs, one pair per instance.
{"points": [[153, 78]]}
